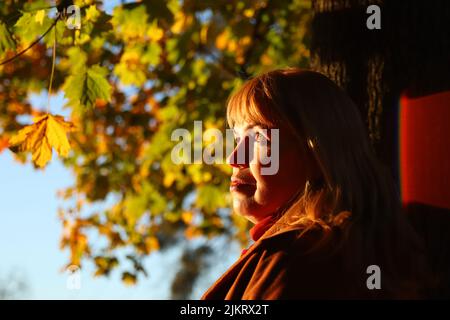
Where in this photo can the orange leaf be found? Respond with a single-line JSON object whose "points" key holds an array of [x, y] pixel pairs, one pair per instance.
{"points": [[46, 133]]}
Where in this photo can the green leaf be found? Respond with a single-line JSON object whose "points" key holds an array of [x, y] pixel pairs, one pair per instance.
{"points": [[200, 71], [130, 70], [35, 5], [134, 208], [77, 58], [60, 28], [86, 85], [134, 61], [152, 54], [28, 28], [173, 51], [130, 24], [6, 40], [92, 13]]}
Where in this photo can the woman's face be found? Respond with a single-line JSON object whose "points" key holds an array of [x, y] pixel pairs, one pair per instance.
{"points": [[255, 194]]}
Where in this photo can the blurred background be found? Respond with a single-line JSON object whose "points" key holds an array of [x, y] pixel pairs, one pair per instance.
{"points": [[107, 214]]}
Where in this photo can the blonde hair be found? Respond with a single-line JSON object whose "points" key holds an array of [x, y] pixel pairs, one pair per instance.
{"points": [[315, 111], [354, 189]]}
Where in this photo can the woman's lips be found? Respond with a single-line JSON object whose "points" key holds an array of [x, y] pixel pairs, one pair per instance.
{"points": [[239, 185]]}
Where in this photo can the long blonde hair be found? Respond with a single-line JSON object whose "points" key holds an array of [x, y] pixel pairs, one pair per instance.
{"points": [[355, 193]]}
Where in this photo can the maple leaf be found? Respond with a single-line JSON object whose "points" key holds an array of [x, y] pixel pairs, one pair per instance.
{"points": [[39, 17], [31, 25], [46, 132], [86, 85], [92, 13], [6, 40]]}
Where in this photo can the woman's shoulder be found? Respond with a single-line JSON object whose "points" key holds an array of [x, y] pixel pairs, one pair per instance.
{"points": [[301, 240], [306, 249], [305, 263]]}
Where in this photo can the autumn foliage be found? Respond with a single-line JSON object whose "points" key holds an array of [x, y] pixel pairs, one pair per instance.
{"points": [[130, 75]]}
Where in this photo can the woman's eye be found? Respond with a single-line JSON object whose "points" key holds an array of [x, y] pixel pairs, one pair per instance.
{"points": [[259, 137]]}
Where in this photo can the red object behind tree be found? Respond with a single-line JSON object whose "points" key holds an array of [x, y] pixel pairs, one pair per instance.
{"points": [[425, 180], [425, 149]]}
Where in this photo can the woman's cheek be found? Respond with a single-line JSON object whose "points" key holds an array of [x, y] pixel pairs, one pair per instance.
{"points": [[263, 156], [255, 165], [255, 169]]}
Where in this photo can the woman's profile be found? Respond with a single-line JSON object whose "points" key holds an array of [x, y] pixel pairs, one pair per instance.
{"points": [[327, 224]]}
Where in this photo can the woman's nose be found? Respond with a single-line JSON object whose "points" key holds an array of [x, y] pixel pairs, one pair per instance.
{"points": [[241, 155]]}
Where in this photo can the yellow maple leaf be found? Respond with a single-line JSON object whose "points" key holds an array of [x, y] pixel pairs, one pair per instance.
{"points": [[42, 152], [56, 134], [154, 32], [26, 138], [39, 17], [46, 132], [92, 13]]}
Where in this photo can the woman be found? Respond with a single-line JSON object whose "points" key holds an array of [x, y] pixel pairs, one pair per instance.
{"points": [[327, 224]]}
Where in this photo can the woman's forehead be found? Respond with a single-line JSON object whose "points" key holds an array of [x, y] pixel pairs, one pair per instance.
{"points": [[244, 113], [244, 126]]}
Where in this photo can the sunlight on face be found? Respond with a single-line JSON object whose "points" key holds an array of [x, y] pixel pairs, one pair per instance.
{"points": [[256, 195]]}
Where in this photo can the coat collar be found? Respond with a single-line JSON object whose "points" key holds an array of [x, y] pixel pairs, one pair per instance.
{"points": [[286, 223]]}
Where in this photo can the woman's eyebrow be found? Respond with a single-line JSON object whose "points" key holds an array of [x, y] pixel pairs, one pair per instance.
{"points": [[260, 125], [250, 126], [245, 128]]}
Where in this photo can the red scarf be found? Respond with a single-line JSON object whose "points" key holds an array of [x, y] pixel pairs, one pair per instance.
{"points": [[260, 228]]}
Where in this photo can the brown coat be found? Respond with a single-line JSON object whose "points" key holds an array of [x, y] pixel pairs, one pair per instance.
{"points": [[278, 266]]}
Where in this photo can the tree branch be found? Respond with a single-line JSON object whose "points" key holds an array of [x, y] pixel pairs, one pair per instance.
{"points": [[31, 45]]}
